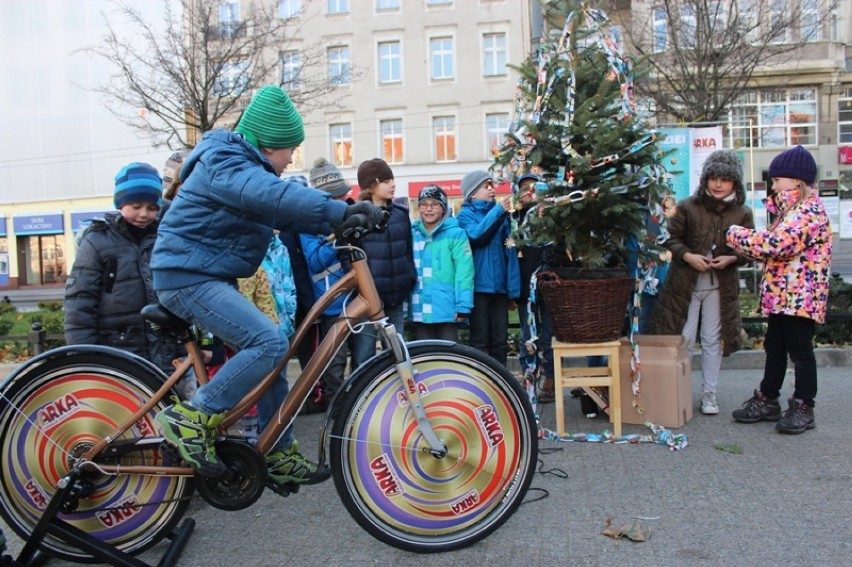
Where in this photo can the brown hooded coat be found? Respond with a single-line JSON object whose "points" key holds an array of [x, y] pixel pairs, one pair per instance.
{"points": [[699, 226]]}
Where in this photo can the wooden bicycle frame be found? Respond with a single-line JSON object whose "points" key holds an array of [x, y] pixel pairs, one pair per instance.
{"points": [[365, 304]]}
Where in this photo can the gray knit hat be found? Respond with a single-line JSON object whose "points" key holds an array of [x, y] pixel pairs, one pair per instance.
{"points": [[326, 177], [472, 181], [723, 164]]}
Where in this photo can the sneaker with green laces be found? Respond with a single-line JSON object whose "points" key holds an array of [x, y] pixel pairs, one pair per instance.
{"points": [[193, 433], [290, 467]]}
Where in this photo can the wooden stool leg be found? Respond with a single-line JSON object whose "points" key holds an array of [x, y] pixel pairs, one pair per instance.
{"points": [[615, 391], [558, 394]]}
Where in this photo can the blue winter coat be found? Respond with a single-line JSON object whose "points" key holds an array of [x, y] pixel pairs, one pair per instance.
{"points": [[495, 265], [444, 265], [391, 258], [220, 223], [325, 268]]}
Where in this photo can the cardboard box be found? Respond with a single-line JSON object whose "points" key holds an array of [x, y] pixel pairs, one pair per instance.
{"points": [[665, 391]]}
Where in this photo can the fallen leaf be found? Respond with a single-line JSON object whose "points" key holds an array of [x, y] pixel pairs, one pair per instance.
{"points": [[732, 448]]}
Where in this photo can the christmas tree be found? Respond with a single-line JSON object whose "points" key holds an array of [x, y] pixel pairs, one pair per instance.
{"points": [[575, 126]]}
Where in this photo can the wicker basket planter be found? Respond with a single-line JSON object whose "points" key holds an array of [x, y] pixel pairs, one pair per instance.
{"points": [[586, 305]]}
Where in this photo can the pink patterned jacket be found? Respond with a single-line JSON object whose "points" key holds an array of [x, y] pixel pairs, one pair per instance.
{"points": [[797, 257]]}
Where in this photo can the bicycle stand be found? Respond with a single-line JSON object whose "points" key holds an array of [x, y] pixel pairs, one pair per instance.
{"points": [[51, 525]]}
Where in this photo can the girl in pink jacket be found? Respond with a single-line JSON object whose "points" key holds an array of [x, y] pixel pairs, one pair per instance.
{"points": [[796, 251]]}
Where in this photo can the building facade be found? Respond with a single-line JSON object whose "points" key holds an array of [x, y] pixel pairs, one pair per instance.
{"points": [[428, 87]]}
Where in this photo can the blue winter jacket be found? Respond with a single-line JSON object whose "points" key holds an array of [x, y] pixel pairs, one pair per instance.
{"points": [[325, 268], [495, 265], [220, 223], [444, 265]]}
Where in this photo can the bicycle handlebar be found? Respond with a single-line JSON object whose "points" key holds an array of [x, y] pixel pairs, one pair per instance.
{"points": [[357, 227]]}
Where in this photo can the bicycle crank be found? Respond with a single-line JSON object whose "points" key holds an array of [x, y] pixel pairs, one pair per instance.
{"points": [[244, 482]]}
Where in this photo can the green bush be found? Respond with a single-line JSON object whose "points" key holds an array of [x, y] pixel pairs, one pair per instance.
{"points": [[50, 305], [6, 325], [51, 321], [6, 308]]}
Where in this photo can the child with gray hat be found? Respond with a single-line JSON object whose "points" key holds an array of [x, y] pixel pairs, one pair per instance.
{"points": [[497, 279], [702, 283]]}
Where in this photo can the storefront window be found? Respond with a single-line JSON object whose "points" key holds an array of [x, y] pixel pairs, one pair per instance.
{"points": [[44, 258]]}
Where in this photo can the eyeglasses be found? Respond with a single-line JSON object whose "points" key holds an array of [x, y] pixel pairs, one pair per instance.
{"points": [[430, 205]]}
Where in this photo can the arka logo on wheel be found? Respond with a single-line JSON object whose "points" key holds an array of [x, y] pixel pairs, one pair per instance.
{"points": [[36, 494], [402, 397], [488, 422], [465, 503], [385, 476], [58, 410], [116, 516]]}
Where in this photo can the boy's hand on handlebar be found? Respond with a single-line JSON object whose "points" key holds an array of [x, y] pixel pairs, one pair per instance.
{"points": [[359, 219], [376, 217]]}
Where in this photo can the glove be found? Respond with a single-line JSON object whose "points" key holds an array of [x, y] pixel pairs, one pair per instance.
{"points": [[376, 217]]}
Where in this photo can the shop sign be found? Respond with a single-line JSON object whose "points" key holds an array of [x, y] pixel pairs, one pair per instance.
{"points": [[845, 157], [451, 187], [40, 223]]}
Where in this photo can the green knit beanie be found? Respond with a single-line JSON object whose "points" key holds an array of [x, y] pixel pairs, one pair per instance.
{"points": [[271, 121]]}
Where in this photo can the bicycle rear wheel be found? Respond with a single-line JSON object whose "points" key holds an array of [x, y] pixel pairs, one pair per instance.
{"points": [[56, 409], [398, 491]]}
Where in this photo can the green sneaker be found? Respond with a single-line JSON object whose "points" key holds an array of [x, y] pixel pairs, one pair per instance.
{"points": [[290, 467], [193, 433]]}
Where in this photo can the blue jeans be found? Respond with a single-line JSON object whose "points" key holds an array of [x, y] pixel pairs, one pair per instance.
{"points": [[221, 309], [364, 343]]}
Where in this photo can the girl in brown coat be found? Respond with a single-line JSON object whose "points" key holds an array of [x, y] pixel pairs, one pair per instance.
{"points": [[702, 283]]}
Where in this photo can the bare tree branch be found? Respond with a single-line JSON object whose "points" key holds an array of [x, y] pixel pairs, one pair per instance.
{"points": [[196, 72], [715, 48]]}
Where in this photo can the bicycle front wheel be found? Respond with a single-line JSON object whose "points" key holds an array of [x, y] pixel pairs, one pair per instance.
{"points": [[52, 412], [396, 489]]}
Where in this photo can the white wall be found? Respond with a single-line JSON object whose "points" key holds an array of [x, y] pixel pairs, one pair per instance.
{"points": [[57, 140]]}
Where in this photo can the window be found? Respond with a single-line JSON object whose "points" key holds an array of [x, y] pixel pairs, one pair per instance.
{"points": [[229, 19], [441, 49], [444, 128], [438, 2], [232, 79], [298, 159], [774, 119], [387, 5], [748, 22], [392, 143], [810, 20], [687, 26], [778, 21], [289, 8], [494, 54], [341, 144], [337, 7], [496, 126], [291, 70], [844, 117], [338, 65], [390, 62], [661, 29]]}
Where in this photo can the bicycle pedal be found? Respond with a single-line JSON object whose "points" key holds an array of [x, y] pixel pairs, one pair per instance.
{"points": [[283, 489]]}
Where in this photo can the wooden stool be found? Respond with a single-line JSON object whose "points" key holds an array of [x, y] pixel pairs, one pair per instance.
{"points": [[586, 377]]}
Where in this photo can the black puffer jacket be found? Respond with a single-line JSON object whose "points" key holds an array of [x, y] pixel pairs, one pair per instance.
{"points": [[108, 286], [390, 255]]}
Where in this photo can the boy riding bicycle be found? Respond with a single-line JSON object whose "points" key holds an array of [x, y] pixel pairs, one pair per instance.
{"points": [[216, 231]]}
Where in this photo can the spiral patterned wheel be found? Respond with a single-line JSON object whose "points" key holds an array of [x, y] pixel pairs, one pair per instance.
{"points": [[54, 412], [390, 482]]}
